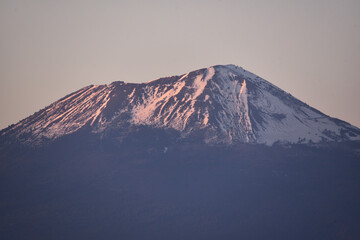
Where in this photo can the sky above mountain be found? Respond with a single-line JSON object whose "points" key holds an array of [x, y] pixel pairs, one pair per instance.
{"points": [[310, 49]]}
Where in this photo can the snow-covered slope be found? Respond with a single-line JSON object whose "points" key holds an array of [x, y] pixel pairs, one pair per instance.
{"points": [[220, 104]]}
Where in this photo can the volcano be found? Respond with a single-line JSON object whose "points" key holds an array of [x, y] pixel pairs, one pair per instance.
{"points": [[222, 104], [217, 153]]}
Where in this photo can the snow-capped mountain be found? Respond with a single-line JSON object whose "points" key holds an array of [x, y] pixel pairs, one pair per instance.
{"points": [[221, 104]]}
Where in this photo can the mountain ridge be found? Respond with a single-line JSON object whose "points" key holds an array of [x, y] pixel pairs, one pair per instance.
{"points": [[222, 103]]}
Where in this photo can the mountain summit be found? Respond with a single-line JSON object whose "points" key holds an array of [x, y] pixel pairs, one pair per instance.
{"points": [[222, 104]]}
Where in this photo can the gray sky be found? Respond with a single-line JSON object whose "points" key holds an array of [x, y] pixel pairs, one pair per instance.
{"points": [[309, 48]]}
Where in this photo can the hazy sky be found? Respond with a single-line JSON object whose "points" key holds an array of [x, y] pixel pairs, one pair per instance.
{"points": [[308, 48]]}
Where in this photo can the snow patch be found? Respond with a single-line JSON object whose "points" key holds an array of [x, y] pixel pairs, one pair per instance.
{"points": [[200, 82]]}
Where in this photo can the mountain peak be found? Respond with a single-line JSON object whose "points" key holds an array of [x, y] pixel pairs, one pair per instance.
{"points": [[218, 104]]}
